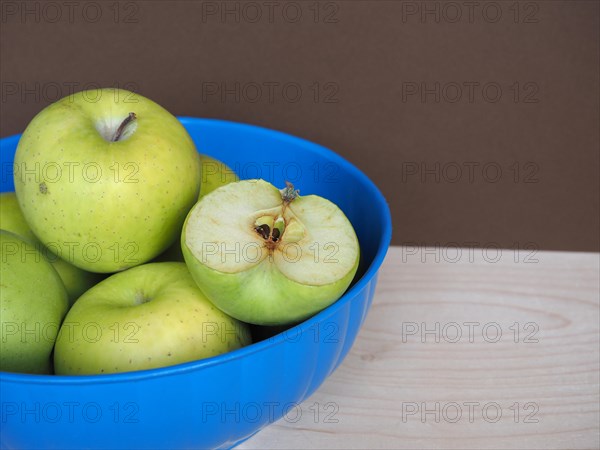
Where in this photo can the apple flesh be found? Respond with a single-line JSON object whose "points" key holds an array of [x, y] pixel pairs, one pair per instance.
{"points": [[33, 302], [266, 256], [105, 178], [146, 317], [76, 280]]}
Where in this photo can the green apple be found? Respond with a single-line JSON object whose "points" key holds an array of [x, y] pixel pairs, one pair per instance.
{"points": [[215, 174], [150, 316], [11, 217], [105, 178], [266, 256], [76, 280], [33, 302]]}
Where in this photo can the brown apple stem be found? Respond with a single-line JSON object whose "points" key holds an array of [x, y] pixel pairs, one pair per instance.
{"points": [[130, 118]]}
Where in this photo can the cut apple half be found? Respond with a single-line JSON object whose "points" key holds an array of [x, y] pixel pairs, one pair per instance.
{"points": [[268, 256]]}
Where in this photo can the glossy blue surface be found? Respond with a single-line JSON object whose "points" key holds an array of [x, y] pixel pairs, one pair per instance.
{"points": [[220, 401]]}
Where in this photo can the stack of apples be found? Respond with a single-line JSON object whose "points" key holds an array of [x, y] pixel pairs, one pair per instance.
{"points": [[123, 248]]}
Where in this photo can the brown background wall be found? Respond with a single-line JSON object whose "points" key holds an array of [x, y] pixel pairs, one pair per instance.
{"points": [[507, 154]]}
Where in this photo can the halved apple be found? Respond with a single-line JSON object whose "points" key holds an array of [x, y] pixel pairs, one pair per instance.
{"points": [[268, 256]]}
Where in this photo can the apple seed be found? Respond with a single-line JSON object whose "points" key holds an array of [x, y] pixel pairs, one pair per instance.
{"points": [[278, 229], [263, 230]]}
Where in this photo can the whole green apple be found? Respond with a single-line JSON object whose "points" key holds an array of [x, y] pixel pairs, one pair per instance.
{"points": [[150, 316], [76, 280], [215, 174], [33, 302], [105, 178], [266, 256]]}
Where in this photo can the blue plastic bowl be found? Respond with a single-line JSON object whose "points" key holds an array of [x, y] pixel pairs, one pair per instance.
{"points": [[216, 402]]}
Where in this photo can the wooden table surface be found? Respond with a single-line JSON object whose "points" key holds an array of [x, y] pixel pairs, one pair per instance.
{"points": [[464, 349]]}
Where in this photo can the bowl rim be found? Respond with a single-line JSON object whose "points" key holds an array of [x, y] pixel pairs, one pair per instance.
{"points": [[278, 339]]}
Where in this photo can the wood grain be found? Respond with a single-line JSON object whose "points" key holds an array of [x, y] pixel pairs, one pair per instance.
{"points": [[405, 381]]}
